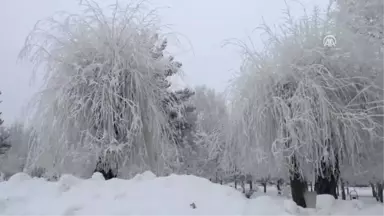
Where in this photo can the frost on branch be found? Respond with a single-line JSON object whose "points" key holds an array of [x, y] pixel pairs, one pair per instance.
{"points": [[200, 140], [105, 74], [211, 127], [364, 17], [306, 104]]}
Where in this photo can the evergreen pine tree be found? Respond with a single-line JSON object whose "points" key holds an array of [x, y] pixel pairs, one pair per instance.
{"points": [[4, 145], [174, 102]]}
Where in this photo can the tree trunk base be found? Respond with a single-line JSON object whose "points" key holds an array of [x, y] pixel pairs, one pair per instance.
{"points": [[278, 186], [343, 196], [326, 186], [374, 194], [380, 192], [265, 187], [106, 171], [298, 188]]}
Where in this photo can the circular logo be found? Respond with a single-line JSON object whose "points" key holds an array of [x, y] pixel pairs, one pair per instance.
{"points": [[329, 41]]}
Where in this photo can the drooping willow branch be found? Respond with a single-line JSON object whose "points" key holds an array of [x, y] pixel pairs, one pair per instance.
{"points": [[102, 92]]}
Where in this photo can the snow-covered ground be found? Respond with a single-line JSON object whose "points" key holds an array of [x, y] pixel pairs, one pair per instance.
{"points": [[147, 194], [362, 192]]}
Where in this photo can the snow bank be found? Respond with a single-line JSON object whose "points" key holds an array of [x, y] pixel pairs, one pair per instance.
{"points": [[144, 194], [19, 177], [97, 176], [147, 194], [325, 203]]}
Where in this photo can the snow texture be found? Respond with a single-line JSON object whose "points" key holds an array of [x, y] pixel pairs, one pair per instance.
{"points": [[147, 194], [98, 176], [19, 177], [325, 202]]}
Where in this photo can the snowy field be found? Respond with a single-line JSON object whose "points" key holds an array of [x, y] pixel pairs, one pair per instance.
{"points": [[147, 194], [364, 193]]}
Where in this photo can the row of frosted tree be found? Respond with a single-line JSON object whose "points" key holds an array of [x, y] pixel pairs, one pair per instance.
{"points": [[297, 110]]}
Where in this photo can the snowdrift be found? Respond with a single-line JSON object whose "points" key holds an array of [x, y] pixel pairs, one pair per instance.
{"points": [[147, 194]]}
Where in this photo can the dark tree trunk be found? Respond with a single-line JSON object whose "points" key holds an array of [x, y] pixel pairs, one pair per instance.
{"points": [[278, 185], [221, 181], [297, 182], [327, 177], [278, 189], [297, 190], [380, 192], [343, 197], [264, 186], [373, 190], [376, 192], [250, 185], [326, 185], [105, 169], [235, 184], [298, 185]]}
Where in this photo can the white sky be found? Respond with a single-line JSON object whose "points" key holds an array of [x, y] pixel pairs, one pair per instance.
{"points": [[202, 25]]}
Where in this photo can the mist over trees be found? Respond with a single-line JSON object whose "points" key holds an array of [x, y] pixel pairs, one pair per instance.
{"points": [[297, 111]]}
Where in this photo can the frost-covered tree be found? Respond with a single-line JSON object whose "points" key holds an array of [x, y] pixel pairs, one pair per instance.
{"points": [[15, 158], [4, 145], [313, 108], [175, 103], [103, 99], [211, 108], [201, 152], [363, 17], [370, 172], [180, 115], [182, 120], [212, 123]]}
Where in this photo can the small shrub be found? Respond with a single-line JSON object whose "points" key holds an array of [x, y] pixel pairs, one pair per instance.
{"points": [[38, 172]]}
